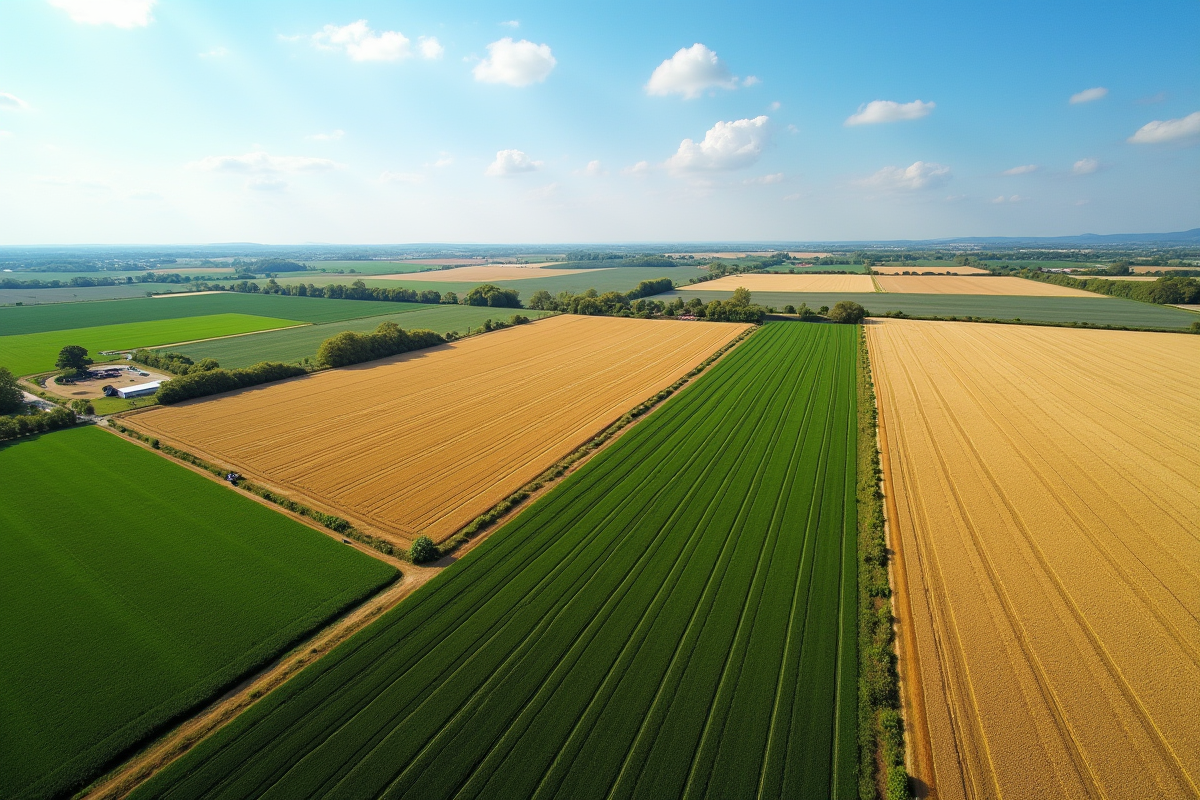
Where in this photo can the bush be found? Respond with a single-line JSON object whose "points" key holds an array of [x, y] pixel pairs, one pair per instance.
{"points": [[215, 381], [1196, 327], [176, 363], [423, 549], [350, 347], [489, 294], [81, 406], [847, 312]]}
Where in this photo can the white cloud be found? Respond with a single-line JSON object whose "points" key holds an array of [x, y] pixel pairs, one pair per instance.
{"points": [[792, 129], [751, 80], [121, 13], [1168, 130], [690, 72], [511, 23], [765, 179], [1016, 198], [919, 175], [1088, 95], [400, 177], [444, 161], [261, 162], [332, 136], [216, 52], [515, 63], [1024, 169], [593, 169], [264, 183], [726, 145], [1085, 166], [10, 102], [511, 162], [361, 43], [430, 47], [638, 170], [878, 111], [775, 106]]}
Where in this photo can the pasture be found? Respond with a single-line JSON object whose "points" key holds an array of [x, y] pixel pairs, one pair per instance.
{"points": [[1045, 484], [296, 344], [783, 282], [66, 316], [133, 591], [425, 442], [1094, 310], [677, 618], [37, 352], [979, 285]]}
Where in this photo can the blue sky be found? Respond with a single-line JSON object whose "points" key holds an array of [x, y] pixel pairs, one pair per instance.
{"points": [[161, 121]]}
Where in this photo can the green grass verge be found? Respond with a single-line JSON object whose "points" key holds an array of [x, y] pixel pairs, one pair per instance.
{"points": [[296, 344], [28, 353], [1100, 311], [678, 615], [133, 591], [64, 316]]}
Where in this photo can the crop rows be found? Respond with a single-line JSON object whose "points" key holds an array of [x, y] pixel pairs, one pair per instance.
{"points": [[677, 618]]}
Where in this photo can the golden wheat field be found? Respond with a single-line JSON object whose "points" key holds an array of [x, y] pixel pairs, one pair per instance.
{"points": [[1001, 284], [948, 270], [479, 274], [1047, 502], [783, 282], [424, 442]]}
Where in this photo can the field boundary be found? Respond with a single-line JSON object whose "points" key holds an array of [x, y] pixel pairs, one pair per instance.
{"points": [[881, 724]]}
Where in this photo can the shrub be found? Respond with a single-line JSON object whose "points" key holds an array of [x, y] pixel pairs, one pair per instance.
{"points": [[81, 406], [489, 294], [176, 363], [848, 312], [423, 549], [11, 398]]}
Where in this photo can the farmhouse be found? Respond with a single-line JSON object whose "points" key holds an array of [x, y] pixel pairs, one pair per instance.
{"points": [[139, 390]]}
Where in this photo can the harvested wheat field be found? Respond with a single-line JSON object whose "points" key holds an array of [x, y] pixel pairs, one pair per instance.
{"points": [[784, 282], [480, 274], [949, 270], [1052, 557], [1001, 284], [425, 442]]}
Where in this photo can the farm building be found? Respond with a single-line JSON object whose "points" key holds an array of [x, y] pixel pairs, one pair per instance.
{"points": [[139, 390]]}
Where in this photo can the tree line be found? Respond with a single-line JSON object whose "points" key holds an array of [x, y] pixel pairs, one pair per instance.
{"points": [[175, 363], [1169, 290], [215, 381], [18, 419], [389, 339]]}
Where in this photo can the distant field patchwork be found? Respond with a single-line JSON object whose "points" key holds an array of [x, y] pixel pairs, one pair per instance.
{"points": [[132, 591], [36, 352], [777, 282], [297, 344], [982, 284], [425, 442], [677, 619]]}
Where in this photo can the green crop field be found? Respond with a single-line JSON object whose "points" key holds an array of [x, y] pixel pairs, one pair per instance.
{"points": [[1099, 310], [678, 616], [132, 591], [297, 344], [856, 268], [37, 352], [363, 267], [64, 316], [75, 294]]}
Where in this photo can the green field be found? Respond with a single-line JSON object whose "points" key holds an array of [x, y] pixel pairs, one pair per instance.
{"points": [[677, 616], [133, 591], [76, 294], [64, 316], [1095, 311], [856, 268], [36, 352], [362, 267], [297, 344]]}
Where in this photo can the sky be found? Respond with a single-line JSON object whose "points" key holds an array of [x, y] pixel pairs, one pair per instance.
{"points": [[360, 121]]}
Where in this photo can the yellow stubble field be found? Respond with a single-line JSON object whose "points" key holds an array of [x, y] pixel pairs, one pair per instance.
{"points": [[981, 284], [785, 282], [1047, 516], [425, 442]]}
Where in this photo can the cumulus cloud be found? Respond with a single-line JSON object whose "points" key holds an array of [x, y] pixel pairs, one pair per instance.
{"points": [[638, 170], [775, 106], [511, 23], [515, 63], [918, 175], [361, 43], [1024, 169], [1016, 198], [121, 13], [878, 111], [511, 162], [726, 145], [332, 136], [1168, 130], [1088, 95], [751, 80], [1085, 166], [776, 177], [443, 161], [593, 169], [261, 162], [10, 102], [690, 72]]}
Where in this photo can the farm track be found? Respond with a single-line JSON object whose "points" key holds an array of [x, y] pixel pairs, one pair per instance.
{"points": [[441, 435], [676, 617], [1048, 517]]}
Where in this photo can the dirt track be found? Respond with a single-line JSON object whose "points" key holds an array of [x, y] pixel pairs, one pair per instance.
{"points": [[1047, 499], [423, 443]]}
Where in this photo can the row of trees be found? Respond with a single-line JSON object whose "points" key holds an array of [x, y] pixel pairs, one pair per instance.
{"points": [[13, 427], [1170, 290], [355, 291], [215, 381], [175, 363], [389, 339]]}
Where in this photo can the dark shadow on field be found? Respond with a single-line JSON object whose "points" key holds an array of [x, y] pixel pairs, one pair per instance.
{"points": [[917, 787]]}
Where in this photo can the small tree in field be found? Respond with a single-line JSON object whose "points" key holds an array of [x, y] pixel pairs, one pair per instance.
{"points": [[847, 311], [423, 549], [73, 357]]}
